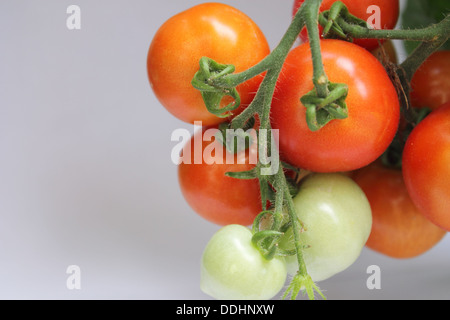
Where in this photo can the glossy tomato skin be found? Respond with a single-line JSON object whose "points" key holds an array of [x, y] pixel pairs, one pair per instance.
{"points": [[363, 9], [399, 230], [341, 145], [233, 269], [430, 85], [213, 195], [213, 30], [426, 166]]}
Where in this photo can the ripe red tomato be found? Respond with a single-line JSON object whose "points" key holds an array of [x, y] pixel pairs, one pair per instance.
{"points": [[213, 195], [426, 166], [382, 12], [399, 230], [431, 83], [214, 30], [342, 145]]}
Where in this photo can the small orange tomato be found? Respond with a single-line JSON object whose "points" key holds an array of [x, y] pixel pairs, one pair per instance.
{"points": [[213, 30], [430, 85], [399, 229], [214, 196], [426, 166]]}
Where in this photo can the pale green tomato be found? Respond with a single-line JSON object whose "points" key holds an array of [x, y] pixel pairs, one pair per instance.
{"points": [[233, 269], [338, 219]]}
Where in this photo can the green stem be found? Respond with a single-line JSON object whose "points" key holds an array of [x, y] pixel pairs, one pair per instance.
{"points": [[326, 95], [320, 79], [273, 64], [406, 71], [296, 227], [430, 33], [419, 55], [261, 104], [432, 38]]}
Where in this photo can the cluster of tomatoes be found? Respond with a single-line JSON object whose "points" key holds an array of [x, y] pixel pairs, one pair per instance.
{"points": [[348, 199]]}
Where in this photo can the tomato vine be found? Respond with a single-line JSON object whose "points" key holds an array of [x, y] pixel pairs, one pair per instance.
{"points": [[343, 103], [215, 81]]}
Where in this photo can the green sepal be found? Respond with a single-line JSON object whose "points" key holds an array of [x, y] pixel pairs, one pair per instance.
{"points": [[243, 175], [264, 242], [320, 111], [329, 19], [304, 283], [258, 219], [210, 81]]}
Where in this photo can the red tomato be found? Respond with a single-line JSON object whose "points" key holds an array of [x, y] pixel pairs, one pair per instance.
{"points": [[431, 83], [426, 166], [382, 12], [399, 230], [341, 145], [214, 30], [217, 198]]}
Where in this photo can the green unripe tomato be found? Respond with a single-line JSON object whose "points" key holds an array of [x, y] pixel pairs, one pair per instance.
{"points": [[233, 269], [337, 219]]}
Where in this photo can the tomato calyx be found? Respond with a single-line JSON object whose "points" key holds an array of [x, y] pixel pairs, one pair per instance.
{"points": [[320, 111], [270, 226], [329, 19], [305, 283], [210, 81], [266, 236], [266, 239]]}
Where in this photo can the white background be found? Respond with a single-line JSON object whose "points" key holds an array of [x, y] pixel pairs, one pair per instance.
{"points": [[85, 170]]}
